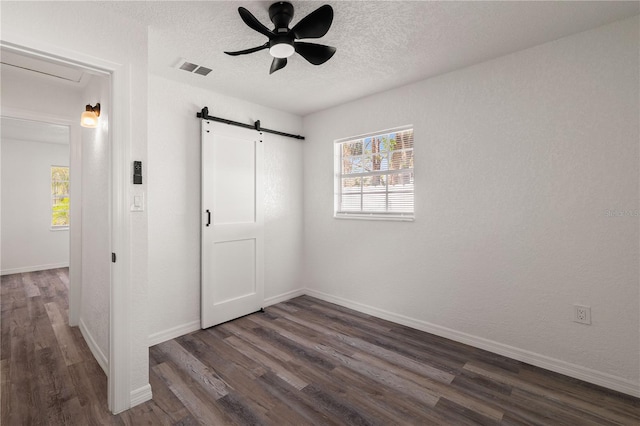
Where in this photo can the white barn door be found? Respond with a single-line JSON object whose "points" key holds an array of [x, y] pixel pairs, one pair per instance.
{"points": [[233, 224]]}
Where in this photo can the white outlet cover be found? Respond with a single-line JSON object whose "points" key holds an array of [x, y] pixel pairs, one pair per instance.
{"points": [[582, 314]]}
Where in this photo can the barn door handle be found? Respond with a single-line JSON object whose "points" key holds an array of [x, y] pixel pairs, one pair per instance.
{"points": [[208, 218]]}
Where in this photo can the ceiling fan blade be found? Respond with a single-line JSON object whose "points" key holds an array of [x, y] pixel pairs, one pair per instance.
{"points": [[253, 22], [315, 53], [253, 49], [278, 63], [314, 25]]}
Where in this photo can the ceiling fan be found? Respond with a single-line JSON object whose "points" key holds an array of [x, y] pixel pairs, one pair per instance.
{"points": [[282, 40]]}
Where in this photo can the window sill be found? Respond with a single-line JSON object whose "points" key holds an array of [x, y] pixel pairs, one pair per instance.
{"points": [[59, 228], [374, 217]]}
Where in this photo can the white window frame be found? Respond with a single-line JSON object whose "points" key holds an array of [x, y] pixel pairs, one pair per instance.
{"points": [[52, 226], [338, 175]]}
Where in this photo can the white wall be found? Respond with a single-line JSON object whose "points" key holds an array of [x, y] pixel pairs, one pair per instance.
{"points": [[38, 95], [85, 29], [96, 240], [174, 202], [517, 161], [28, 242]]}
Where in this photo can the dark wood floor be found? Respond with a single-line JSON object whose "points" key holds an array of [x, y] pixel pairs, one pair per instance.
{"points": [[304, 361], [49, 376]]}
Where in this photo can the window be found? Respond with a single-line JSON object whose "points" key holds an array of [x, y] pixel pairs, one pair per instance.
{"points": [[59, 197], [374, 175]]}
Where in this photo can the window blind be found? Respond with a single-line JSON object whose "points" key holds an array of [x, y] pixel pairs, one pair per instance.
{"points": [[375, 176]]}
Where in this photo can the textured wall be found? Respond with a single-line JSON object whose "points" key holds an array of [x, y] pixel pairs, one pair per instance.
{"points": [[174, 199], [28, 243], [517, 162]]}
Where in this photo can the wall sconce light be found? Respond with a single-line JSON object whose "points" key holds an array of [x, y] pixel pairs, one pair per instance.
{"points": [[89, 118]]}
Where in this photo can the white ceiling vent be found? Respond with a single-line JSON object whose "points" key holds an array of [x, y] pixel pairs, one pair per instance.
{"points": [[183, 64]]}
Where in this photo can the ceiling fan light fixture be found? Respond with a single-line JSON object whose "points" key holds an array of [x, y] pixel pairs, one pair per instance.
{"points": [[283, 41], [281, 50]]}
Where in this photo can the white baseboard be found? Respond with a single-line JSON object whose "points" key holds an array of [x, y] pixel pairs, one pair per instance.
{"points": [[140, 395], [283, 297], [24, 269], [172, 333], [609, 381], [93, 347], [180, 330]]}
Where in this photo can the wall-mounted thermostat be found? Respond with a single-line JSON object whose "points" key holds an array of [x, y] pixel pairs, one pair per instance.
{"points": [[137, 172]]}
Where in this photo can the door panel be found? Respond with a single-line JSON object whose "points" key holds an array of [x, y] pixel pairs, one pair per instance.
{"points": [[232, 228], [235, 263], [233, 180]]}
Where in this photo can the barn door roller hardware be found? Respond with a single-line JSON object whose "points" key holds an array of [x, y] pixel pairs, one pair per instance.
{"points": [[204, 114]]}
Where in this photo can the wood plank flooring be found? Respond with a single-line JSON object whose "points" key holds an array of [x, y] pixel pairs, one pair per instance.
{"points": [[49, 376], [301, 362]]}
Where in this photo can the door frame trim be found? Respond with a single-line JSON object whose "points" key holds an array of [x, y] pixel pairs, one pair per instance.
{"points": [[119, 387]]}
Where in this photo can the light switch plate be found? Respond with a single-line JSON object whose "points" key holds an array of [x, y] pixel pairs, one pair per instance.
{"points": [[138, 203]]}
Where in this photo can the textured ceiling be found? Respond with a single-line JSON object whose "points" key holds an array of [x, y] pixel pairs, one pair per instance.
{"points": [[380, 45]]}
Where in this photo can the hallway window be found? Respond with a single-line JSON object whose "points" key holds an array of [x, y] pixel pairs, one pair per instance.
{"points": [[59, 197]]}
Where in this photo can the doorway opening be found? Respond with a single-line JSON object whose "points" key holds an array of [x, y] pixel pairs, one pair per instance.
{"points": [[35, 195], [33, 82]]}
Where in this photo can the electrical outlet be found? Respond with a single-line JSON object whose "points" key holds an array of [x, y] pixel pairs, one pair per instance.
{"points": [[582, 314]]}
